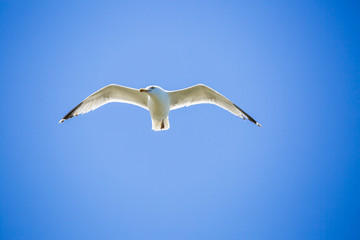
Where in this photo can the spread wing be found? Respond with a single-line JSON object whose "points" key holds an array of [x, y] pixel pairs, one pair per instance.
{"points": [[110, 93], [203, 94]]}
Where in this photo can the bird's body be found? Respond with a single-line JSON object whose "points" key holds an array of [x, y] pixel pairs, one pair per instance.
{"points": [[157, 101], [159, 108]]}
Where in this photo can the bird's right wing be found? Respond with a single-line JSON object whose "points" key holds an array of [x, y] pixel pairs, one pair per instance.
{"points": [[110, 93], [203, 94]]}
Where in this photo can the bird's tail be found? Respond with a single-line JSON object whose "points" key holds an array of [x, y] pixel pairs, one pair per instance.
{"points": [[160, 125]]}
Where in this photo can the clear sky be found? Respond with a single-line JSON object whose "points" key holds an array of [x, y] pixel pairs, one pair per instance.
{"points": [[294, 66]]}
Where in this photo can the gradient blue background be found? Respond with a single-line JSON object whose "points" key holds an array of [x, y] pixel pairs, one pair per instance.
{"points": [[292, 65]]}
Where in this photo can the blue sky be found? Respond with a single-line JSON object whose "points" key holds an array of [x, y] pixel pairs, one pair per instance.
{"points": [[292, 65]]}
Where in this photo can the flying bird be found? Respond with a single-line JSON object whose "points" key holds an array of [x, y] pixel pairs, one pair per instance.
{"points": [[157, 101]]}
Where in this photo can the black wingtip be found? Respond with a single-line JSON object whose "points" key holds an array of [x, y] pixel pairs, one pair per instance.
{"points": [[248, 116], [70, 114]]}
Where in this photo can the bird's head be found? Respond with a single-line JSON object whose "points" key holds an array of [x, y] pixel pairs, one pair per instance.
{"points": [[154, 90]]}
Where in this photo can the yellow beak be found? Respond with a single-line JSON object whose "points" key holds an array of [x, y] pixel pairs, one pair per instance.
{"points": [[143, 90]]}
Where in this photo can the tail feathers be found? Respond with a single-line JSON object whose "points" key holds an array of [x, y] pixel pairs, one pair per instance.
{"points": [[160, 125]]}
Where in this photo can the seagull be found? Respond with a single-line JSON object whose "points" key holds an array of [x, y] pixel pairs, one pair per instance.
{"points": [[157, 101]]}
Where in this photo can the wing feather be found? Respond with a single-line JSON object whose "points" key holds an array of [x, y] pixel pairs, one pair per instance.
{"points": [[110, 93], [199, 94]]}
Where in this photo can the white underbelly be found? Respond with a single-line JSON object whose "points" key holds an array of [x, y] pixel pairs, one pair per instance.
{"points": [[159, 109]]}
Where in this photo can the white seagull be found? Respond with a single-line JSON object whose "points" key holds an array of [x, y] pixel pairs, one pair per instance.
{"points": [[158, 101]]}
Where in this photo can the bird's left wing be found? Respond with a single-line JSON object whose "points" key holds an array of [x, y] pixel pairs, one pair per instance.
{"points": [[110, 93], [203, 94]]}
